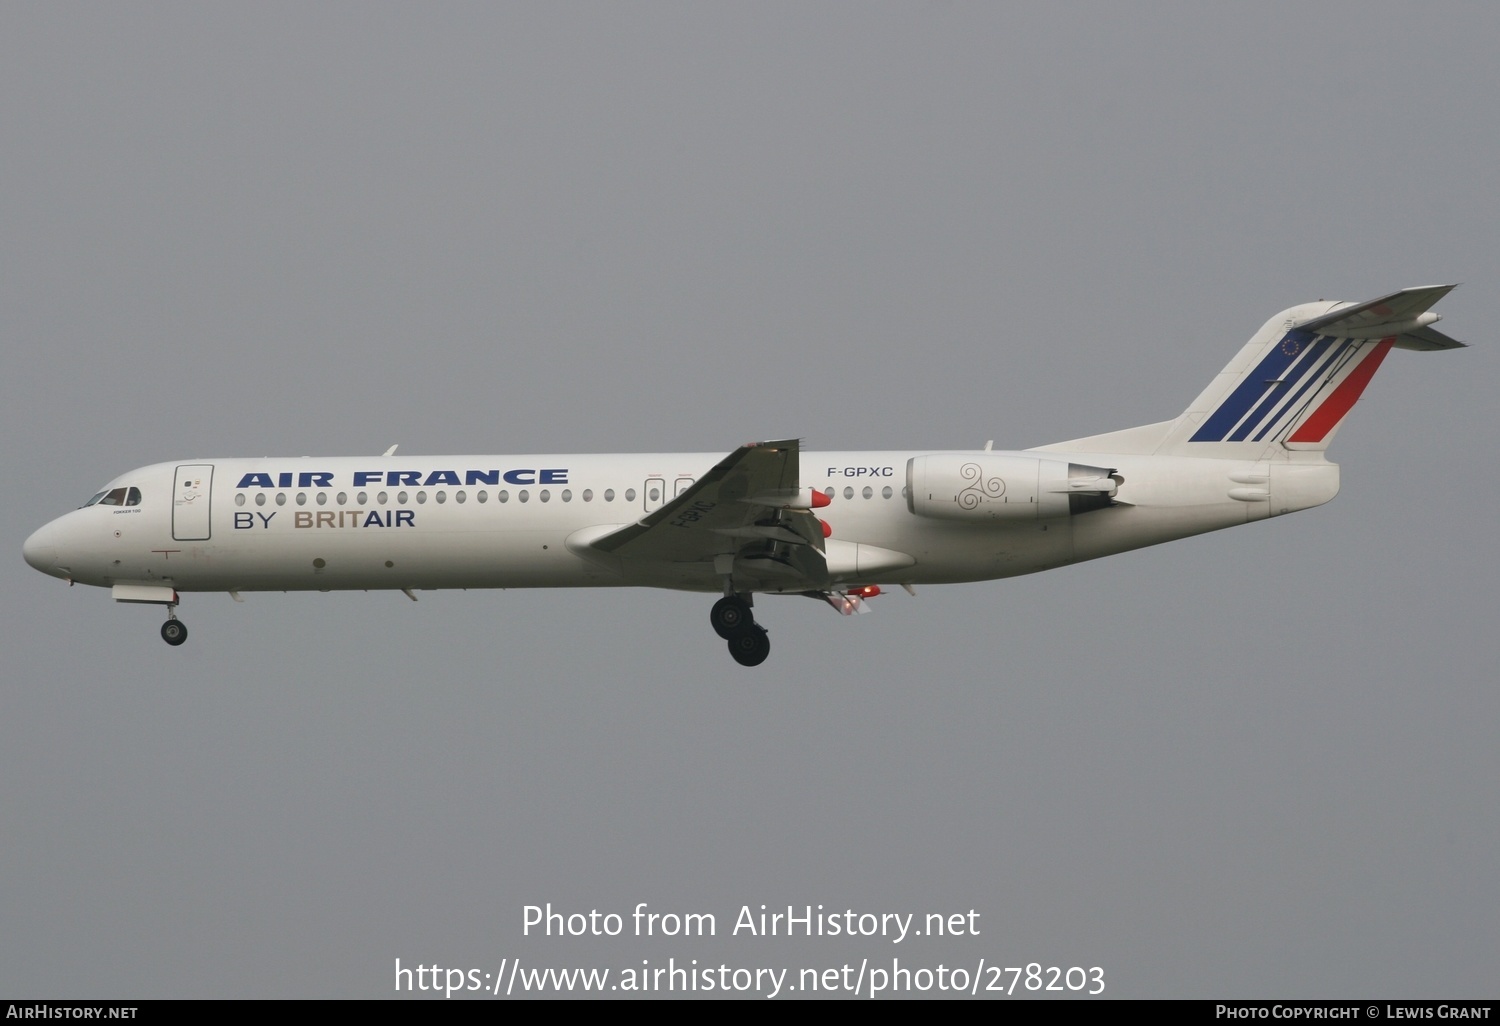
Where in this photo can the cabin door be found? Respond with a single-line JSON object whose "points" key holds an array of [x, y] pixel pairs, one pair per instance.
{"points": [[190, 501]]}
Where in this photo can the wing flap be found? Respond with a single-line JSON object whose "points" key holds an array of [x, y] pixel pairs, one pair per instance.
{"points": [[745, 508]]}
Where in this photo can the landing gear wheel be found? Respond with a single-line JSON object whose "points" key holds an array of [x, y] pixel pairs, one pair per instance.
{"points": [[751, 647], [730, 616], [174, 632]]}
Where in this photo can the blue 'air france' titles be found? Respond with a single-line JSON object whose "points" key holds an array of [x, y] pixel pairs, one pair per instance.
{"points": [[406, 478]]}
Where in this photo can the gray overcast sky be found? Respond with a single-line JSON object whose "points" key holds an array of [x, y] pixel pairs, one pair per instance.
{"points": [[1258, 763]]}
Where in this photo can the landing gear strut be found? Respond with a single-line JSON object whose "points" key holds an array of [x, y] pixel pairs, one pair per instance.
{"points": [[733, 621], [174, 631]]}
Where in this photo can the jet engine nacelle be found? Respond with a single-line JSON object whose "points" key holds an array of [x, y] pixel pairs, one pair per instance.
{"points": [[984, 487]]}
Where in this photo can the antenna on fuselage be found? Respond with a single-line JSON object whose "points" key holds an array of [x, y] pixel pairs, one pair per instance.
{"points": [[391, 451]]}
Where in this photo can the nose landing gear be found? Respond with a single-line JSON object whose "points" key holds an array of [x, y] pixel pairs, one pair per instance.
{"points": [[174, 631], [733, 621]]}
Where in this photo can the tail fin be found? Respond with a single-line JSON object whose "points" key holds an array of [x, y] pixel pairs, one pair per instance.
{"points": [[1294, 382]]}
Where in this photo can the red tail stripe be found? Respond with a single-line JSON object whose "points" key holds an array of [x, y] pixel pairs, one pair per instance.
{"points": [[1327, 416]]}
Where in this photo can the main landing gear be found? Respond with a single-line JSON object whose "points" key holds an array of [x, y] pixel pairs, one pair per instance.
{"points": [[732, 620]]}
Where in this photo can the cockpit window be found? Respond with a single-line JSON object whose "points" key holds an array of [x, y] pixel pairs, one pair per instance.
{"points": [[116, 497]]}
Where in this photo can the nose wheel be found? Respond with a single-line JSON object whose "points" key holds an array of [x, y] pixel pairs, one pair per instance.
{"points": [[174, 631], [733, 621]]}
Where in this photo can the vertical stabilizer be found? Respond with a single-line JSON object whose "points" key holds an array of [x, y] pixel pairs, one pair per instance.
{"points": [[1295, 381]]}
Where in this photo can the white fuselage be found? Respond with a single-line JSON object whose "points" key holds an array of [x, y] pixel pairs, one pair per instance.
{"points": [[525, 521], [765, 518]]}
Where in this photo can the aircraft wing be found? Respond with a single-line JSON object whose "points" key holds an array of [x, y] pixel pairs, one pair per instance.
{"points": [[749, 509]]}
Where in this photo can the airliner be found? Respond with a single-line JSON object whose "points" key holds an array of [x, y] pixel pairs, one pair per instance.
{"points": [[767, 519]]}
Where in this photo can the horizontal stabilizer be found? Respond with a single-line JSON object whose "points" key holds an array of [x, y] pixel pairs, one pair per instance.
{"points": [[1426, 340], [1401, 315]]}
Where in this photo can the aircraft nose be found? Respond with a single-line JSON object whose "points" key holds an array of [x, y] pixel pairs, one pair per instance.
{"points": [[40, 549]]}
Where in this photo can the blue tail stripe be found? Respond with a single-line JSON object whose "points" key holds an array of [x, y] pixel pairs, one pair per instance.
{"points": [[1312, 381], [1278, 393], [1252, 388]]}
